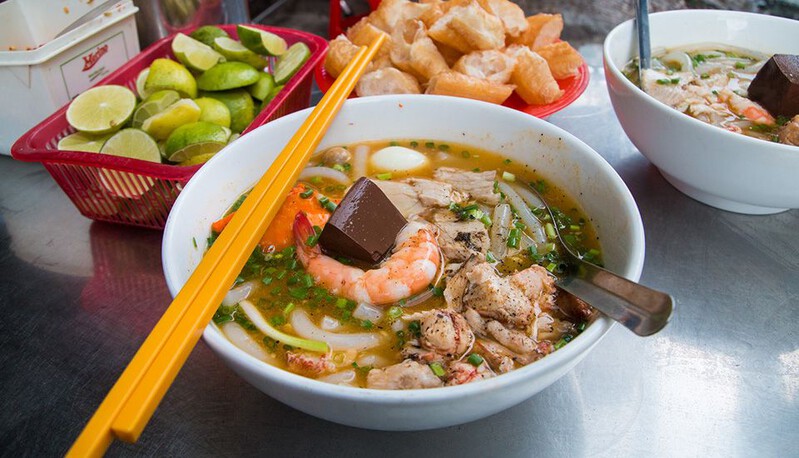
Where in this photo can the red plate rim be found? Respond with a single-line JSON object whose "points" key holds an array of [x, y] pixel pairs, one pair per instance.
{"points": [[573, 88]]}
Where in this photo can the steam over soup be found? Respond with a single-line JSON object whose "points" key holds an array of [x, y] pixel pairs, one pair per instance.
{"points": [[711, 83], [465, 293]]}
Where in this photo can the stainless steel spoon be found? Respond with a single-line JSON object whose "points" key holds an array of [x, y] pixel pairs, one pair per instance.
{"points": [[643, 310], [642, 27]]}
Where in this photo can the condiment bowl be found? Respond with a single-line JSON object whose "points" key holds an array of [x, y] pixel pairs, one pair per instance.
{"points": [[554, 153], [712, 165]]}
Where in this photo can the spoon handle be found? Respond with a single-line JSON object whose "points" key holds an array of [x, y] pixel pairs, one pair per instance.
{"points": [[643, 310]]}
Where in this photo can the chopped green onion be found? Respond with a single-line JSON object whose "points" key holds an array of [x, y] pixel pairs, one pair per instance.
{"points": [[194, 242], [414, 144], [339, 167], [327, 203], [307, 193], [740, 65], [312, 240], [393, 144], [430, 145], [341, 303], [438, 292], [307, 280], [384, 176], [574, 227], [366, 324], [443, 147], [437, 369], [507, 161], [513, 238], [394, 312], [281, 274], [316, 180], [288, 309], [486, 220], [507, 176], [278, 320], [551, 267], [474, 359], [581, 326], [466, 154], [490, 257], [550, 230], [704, 76], [415, 328], [300, 292], [266, 280]]}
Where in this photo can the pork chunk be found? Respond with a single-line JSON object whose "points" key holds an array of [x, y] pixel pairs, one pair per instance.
{"points": [[789, 133], [445, 332], [459, 240], [406, 375], [496, 297], [434, 193], [402, 195], [477, 185]]}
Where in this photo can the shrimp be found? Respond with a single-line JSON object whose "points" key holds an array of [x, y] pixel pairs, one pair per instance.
{"points": [[742, 106], [411, 268]]}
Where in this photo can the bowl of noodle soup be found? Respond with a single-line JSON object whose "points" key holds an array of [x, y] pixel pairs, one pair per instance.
{"points": [[564, 161]]}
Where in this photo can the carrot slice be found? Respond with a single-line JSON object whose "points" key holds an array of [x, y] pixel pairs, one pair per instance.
{"points": [[279, 233]]}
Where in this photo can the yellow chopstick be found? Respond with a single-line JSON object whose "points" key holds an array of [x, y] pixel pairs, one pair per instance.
{"points": [[133, 399]]}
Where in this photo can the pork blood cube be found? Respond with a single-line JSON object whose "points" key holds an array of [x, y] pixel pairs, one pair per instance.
{"points": [[776, 85], [364, 226]]}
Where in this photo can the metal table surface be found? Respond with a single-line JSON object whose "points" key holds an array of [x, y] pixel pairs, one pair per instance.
{"points": [[78, 297]]}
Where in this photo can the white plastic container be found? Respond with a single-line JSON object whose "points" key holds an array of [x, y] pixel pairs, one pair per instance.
{"points": [[40, 73]]}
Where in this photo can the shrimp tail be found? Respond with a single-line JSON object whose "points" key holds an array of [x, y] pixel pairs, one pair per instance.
{"points": [[302, 230]]}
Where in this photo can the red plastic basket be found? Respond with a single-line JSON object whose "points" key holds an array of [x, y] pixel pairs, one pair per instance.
{"points": [[141, 193]]}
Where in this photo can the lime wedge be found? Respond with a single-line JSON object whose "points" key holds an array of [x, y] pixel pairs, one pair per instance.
{"points": [[168, 74], [140, 79], [233, 50], [261, 41], [241, 106], [214, 111], [275, 91], [228, 75], [194, 54], [195, 139], [156, 103], [82, 142], [290, 62], [183, 111], [261, 89], [134, 144], [198, 159], [207, 33], [102, 109]]}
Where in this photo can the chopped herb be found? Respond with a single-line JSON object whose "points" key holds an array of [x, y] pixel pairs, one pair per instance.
{"points": [[438, 292], [474, 359], [581, 326], [384, 176], [266, 280], [339, 167], [327, 203], [415, 328], [430, 145], [490, 257], [315, 180], [704, 76], [496, 187], [476, 169], [740, 65], [507, 161], [507, 176], [550, 230], [466, 154], [366, 324], [393, 144], [437, 369], [238, 202], [540, 186], [307, 193], [300, 292], [341, 303], [662, 81], [288, 309], [281, 274], [486, 220], [443, 147], [307, 280], [563, 341], [414, 144], [513, 238], [278, 320], [194, 242], [730, 75], [551, 267], [363, 369], [312, 240], [715, 92]]}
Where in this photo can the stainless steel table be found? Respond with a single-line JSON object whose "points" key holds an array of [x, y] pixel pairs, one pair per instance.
{"points": [[78, 297]]}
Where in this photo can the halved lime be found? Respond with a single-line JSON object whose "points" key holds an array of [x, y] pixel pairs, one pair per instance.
{"points": [[207, 33], [140, 80], [197, 138], [168, 74], [228, 75], [261, 41], [82, 142], [182, 112], [212, 110], [290, 62], [261, 89], [156, 103], [134, 144], [240, 104], [194, 54], [102, 109], [233, 50]]}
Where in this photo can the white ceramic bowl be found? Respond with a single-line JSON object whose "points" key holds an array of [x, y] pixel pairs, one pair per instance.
{"points": [[720, 168], [560, 157]]}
